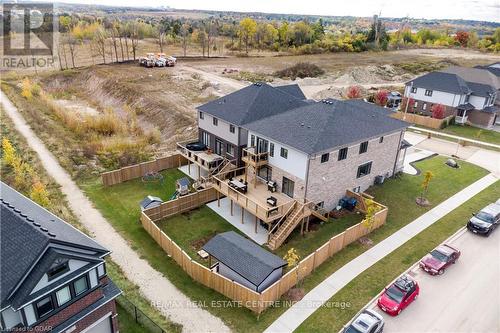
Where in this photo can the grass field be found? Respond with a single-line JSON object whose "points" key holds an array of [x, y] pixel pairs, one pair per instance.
{"points": [[398, 194], [474, 133], [368, 284]]}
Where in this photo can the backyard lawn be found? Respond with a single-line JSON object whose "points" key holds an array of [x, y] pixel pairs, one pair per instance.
{"points": [[119, 204]]}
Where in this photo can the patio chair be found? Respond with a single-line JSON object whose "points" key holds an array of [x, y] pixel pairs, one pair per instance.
{"points": [[272, 201]]}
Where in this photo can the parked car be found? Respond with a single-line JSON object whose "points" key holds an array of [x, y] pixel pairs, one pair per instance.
{"points": [[486, 220], [398, 295], [196, 146], [367, 321], [439, 259]]}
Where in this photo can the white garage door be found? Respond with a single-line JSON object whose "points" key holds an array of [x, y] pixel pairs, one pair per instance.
{"points": [[103, 327]]}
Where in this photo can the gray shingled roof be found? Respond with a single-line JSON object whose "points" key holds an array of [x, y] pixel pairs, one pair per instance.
{"points": [[243, 256], [480, 89], [293, 89], [251, 103], [324, 126], [447, 82], [26, 231], [476, 75], [494, 70]]}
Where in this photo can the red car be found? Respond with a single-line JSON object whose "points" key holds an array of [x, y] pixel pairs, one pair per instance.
{"points": [[439, 259], [399, 295]]}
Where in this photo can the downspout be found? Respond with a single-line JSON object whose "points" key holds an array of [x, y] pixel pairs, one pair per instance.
{"points": [[307, 176], [397, 155]]}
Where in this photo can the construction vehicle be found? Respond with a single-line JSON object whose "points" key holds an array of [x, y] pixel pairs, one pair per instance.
{"points": [[148, 61], [158, 60]]}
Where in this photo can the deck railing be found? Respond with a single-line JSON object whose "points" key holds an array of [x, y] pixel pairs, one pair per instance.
{"points": [[263, 212], [250, 156]]}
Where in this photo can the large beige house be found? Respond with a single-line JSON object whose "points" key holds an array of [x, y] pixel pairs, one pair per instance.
{"points": [[302, 154]]}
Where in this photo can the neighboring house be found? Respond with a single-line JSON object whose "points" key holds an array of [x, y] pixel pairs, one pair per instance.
{"points": [[310, 152], [470, 94], [243, 261], [53, 277], [493, 68]]}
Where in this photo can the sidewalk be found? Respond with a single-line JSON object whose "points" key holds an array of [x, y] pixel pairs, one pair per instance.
{"points": [[298, 313], [153, 285]]}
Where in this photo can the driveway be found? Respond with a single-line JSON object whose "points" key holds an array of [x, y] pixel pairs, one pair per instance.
{"points": [[466, 298], [488, 159]]}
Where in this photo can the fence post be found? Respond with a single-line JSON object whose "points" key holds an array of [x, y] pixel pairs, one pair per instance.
{"points": [[135, 311]]}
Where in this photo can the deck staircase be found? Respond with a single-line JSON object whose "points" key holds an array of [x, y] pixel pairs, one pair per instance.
{"points": [[286, 225]]}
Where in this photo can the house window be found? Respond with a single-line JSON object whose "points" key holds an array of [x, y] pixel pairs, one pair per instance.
{"points": [[325, 158], [252, 140], [215, 121], [381, 139], [424, 106], [364, 169], [59, 267], [467, 98], [205, 138], [63, 296], [284, 152], [231, 128], [363, 147], [202, 115], [271, 149], [414, 90], [44, 306], [101, 270], [342, 154], [230, 149], [415, 105], [428, 92], [81, 285]]}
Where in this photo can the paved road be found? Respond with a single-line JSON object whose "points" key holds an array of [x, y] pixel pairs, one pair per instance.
{"points": [[466, 298], [153, 285]]}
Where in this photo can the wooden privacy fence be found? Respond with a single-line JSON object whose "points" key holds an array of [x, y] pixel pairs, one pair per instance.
{"points": [[182, 204], [138, 170], [256, 302], [422, 120]]}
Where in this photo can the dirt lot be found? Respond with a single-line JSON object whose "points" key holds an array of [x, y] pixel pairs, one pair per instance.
{"points": [[165, 99]]}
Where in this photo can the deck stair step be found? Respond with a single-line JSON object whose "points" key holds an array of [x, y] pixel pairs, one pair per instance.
{"points": [[292, 220]]}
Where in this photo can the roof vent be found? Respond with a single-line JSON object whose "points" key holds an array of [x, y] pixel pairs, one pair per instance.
{"points": [[302, 124], [52, 234], [17, 210], [29, 219], [9, 205], [44, 229], [308, 126], [36, 224], [258, 84], [23, 215]]}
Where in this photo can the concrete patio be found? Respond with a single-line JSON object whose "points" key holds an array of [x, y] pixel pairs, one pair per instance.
{"points": [[248, 226], [192, 171]]}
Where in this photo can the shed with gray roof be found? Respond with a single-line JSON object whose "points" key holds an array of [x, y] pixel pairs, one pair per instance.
{"points": [[241, 260]]}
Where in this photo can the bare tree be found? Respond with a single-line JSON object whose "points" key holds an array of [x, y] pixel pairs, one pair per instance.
{"points": [[184, 33], [160, 34], [99, 42]]}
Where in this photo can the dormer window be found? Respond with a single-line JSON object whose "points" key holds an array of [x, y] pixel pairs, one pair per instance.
{"points": [[58, 267], [413, 90], [428, 92], [467, 98], [215, 121]]}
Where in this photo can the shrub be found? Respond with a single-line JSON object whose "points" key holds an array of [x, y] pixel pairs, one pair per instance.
{"points": [[353, 92], [437, 111], [39, 193], [381, 97], [301, 70]]}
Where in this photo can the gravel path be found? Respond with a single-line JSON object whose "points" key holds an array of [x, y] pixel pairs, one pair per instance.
{"points": [[153, 285]]}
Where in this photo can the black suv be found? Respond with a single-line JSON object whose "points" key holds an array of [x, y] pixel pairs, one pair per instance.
{"points": [[486, 220]]}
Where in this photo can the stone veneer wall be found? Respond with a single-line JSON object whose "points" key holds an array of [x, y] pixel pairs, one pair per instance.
{"points": [[328, 181]]}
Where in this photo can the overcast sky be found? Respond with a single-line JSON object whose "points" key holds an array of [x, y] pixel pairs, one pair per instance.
{"points": [[484, 10]]}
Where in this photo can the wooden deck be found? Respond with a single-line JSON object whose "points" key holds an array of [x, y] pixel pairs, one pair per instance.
{"points": [[254, 200]]}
